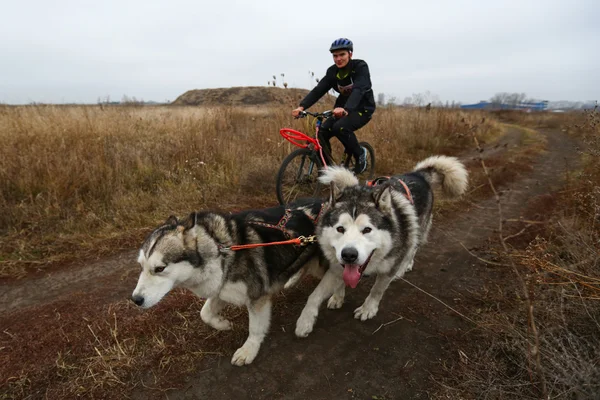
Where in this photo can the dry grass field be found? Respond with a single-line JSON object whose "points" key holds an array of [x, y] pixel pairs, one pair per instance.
{"points": [[91, 180]]}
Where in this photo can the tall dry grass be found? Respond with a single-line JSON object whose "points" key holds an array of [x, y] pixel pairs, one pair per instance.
{"points": [[84, 180]]}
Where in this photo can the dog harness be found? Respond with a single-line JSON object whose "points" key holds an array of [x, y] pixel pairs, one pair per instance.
{"points": [[281, 226], [380, 180]]}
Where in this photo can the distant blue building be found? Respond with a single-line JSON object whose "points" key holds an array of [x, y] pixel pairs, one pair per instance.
{"points": [[527, 106], [482, 105]]}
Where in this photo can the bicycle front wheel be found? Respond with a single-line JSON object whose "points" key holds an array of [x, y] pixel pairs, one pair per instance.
{"points": [[298, 176], [370, 171]]}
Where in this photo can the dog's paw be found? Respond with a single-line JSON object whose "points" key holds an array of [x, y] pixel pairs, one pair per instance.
{"points": [[245, 354], [305, 324], [367, 311], [335, 302], [221, 324]]}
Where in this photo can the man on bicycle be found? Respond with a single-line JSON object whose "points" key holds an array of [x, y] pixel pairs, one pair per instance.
{"points": [[354, 106]]}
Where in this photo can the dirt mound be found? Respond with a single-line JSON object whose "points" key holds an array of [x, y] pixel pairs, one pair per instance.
{"points": [[241, 96]]}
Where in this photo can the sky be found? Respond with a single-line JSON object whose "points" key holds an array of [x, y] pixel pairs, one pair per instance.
{"points": [[462, 50]]}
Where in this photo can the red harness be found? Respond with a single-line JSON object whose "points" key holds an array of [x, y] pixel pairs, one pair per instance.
{"points": [[408, 195]]}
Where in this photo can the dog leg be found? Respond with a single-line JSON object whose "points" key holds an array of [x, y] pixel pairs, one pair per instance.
{"points": [[371, 305], [312, 267], [210, 314], [294, 279], [407, 263], [259, 313], [409, 268], [324, 289], [337, 300]]}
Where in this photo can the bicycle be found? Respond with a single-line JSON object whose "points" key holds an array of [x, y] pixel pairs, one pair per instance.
{"points": [[299, 171]]}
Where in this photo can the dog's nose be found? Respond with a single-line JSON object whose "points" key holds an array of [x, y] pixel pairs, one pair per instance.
{"points": [[349, 255], [138, 300]]}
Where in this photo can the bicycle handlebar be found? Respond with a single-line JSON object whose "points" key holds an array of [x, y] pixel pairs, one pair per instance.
{"points": [[324, 114]]}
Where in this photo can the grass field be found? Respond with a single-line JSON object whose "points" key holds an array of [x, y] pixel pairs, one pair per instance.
{"points": [[93, 180]]}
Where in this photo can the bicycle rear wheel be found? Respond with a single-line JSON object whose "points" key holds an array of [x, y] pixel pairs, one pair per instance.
{"points": [[370, 171], [298, 176]]}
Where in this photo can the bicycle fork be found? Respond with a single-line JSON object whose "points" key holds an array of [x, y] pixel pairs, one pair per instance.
{"points": [[311, 166]]}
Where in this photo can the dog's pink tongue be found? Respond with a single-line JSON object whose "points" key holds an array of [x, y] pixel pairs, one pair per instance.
{"points": [[351, 275]]}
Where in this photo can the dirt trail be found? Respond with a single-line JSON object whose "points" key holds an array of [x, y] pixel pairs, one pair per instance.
{"points": [[342, 358], [59, 284]]}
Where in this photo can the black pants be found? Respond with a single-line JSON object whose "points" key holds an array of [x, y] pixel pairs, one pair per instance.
{"points": [[343, 128]]}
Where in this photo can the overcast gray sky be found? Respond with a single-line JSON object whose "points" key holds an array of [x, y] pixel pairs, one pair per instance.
{"points": [[463, 50]]}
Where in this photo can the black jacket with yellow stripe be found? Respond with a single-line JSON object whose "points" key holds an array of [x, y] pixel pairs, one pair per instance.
{"points": [[353, 83]]}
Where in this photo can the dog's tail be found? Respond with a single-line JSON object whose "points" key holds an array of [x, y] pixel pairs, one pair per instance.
{"points": [[340, 176], [448, 172]]}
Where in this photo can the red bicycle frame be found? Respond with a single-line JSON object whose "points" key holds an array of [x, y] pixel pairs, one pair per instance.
{"points": [[294, 137]]}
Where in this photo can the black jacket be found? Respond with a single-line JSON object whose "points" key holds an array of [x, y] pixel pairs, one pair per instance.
{"points": [[353, 83]]}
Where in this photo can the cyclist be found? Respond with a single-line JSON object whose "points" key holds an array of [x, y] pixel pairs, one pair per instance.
{"points": [[354, 106]]}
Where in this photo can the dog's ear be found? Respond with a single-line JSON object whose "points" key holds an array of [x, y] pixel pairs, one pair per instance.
{"points": [[334, 194], [172, 220], [382, 195], [190, 221]]}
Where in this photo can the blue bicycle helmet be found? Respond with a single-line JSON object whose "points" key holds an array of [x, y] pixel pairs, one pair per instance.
{"points": [[341, 44]]}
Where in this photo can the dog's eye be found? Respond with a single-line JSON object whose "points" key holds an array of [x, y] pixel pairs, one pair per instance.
{"points": [[366, 230], [341, 229], [159, 269]]}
